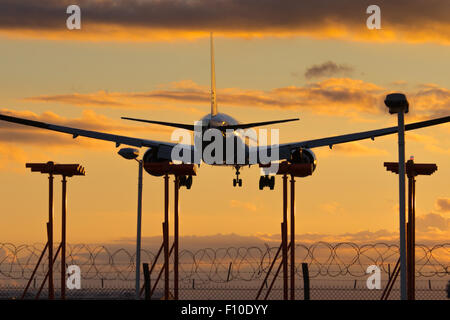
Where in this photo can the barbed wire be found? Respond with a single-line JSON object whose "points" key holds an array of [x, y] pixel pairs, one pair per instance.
{"points": [[220, 265]]}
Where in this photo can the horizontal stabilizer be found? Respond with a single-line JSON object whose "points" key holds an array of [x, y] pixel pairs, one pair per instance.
{"points": [[254, 124], [169, 124], [222, 128]]}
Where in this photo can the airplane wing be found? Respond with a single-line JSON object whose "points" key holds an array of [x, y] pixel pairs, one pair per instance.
{"points": [[164, 148], [285, 148]]}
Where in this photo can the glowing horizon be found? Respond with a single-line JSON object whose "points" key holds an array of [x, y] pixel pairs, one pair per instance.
{"points": [[332, 76]]}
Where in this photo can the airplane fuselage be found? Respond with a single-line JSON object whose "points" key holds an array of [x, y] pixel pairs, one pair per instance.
{"points": [[219, 121]]}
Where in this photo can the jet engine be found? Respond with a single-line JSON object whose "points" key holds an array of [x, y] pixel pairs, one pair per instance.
{"points": [[157, 166], [151, 156], [301, 155]]}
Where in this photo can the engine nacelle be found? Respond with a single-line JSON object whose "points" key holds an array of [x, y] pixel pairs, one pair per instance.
{"points": [[158, 167], [151, 156], [300, 155]]}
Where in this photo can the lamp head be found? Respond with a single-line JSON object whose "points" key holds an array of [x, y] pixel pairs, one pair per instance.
{"points": [[129, 153], [396, 102]]}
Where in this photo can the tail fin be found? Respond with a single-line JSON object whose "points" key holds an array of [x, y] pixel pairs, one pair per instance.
{"points": [[213, 81]]}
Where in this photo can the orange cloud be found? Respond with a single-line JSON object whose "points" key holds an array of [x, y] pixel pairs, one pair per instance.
{"points": [[433, 222], [333, 207], [14, 138], [12, 157], [110, 100], [135, 20], [89, 120], [336, 96], [243, 205], [430, 143], [430, 100], [344, 97]]}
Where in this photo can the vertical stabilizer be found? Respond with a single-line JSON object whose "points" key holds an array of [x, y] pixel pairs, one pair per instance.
{"points": [[213, 81]]}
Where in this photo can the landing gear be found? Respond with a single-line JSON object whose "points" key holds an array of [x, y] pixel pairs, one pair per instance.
{"points": [[266, 181], [237, 181], [185, 181]]}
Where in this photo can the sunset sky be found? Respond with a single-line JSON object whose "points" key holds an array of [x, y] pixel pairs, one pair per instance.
{"points": [[315, 60]]}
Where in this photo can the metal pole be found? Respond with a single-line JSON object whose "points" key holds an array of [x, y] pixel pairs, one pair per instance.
{"points": [[284, 240], [34, 272], [270, 268], [175, 225], [47, 274], [402, 222], [409, 237], [63, 238], [292, 238], [50, 237], [413, 241], [162, 269], [166, 237], [138, 236]]}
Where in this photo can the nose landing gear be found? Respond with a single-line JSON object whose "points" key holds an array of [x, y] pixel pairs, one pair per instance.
{"points": [[266, 181], [237, 181]]}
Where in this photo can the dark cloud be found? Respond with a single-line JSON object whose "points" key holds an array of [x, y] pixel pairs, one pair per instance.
{"points": [[443, 204], [230, 15], [238, 16], [328, 69]]}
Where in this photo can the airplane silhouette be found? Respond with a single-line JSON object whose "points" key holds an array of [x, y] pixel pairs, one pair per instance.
{"points": [[160, 151]]}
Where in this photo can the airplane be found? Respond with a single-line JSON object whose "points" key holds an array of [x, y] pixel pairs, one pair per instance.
{"points": [[161, 151]]}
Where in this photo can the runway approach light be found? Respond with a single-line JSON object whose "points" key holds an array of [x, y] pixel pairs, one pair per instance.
{"points": [[396, 102], [129, 153]]}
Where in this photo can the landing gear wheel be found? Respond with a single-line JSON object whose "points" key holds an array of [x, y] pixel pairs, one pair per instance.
{"points": [[237, 181], [261, 183], [266, 181]]}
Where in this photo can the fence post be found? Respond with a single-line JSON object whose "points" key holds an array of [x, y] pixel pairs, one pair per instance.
{"points": [[306, 291], [146, 280], [229, 271]]}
